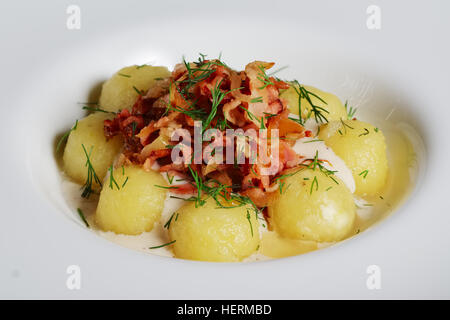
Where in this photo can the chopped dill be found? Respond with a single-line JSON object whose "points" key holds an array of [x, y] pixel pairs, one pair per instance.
{"points": [[125, 182], [167, 224], [284, 176], [250, 222], [91, 175], [364, 173], [164, 187], [264, 78], [65, 136], [112, 181], [256, 100], [164, 245], [269, 115], [365, 133], [97, 109], [219, 192], [350, 111], [124, 75], [252, 117], [81, 214], [139, 92], [217, 97], [315, 140], [316, 110], [316, 183], [169, 178]]}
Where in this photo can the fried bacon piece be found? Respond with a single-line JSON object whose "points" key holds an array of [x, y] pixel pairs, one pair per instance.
{"points": [[208, 90]]}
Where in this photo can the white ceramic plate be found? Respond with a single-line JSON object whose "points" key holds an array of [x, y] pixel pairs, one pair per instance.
{"points": [[401, 69]]}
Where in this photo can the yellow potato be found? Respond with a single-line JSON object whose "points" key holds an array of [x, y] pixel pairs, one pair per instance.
{"points": [[118, 92], [336, 110], [208, 233], [135, 205], [313, 207], [89, 132], [363, 149]]}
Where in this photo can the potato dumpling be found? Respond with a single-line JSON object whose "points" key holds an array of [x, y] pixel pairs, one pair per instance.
{"points": [[119, 91], [333, 105], [363, 149], [134, 204], [209, 233], [89, 132], [313, 207]]}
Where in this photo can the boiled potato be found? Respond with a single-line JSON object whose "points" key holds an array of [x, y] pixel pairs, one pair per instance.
{"points": [[333, 105], [209, 233], [134, 204], [363, 149], [118, 92], [313, 207], [89, 132]]}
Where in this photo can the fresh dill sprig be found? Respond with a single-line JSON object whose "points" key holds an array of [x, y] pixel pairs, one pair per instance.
{"points": [[345, 126], [252, 117], [256, 100], [81, 214], [364, 173], [91, 175], [124, 183], [164, 187], [350, 111], [200, 72], [112, 181], [316, 110], [169, 178], [250, 222], [139, 92], [284, 176], [167, 224], [317, 163], [97, 109], [164, 245], [269, 115], [316, 183], [315, 140], [217, 97], [218, 192], [65, 136], [196, 114], [264, 78], [366, 132]]}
